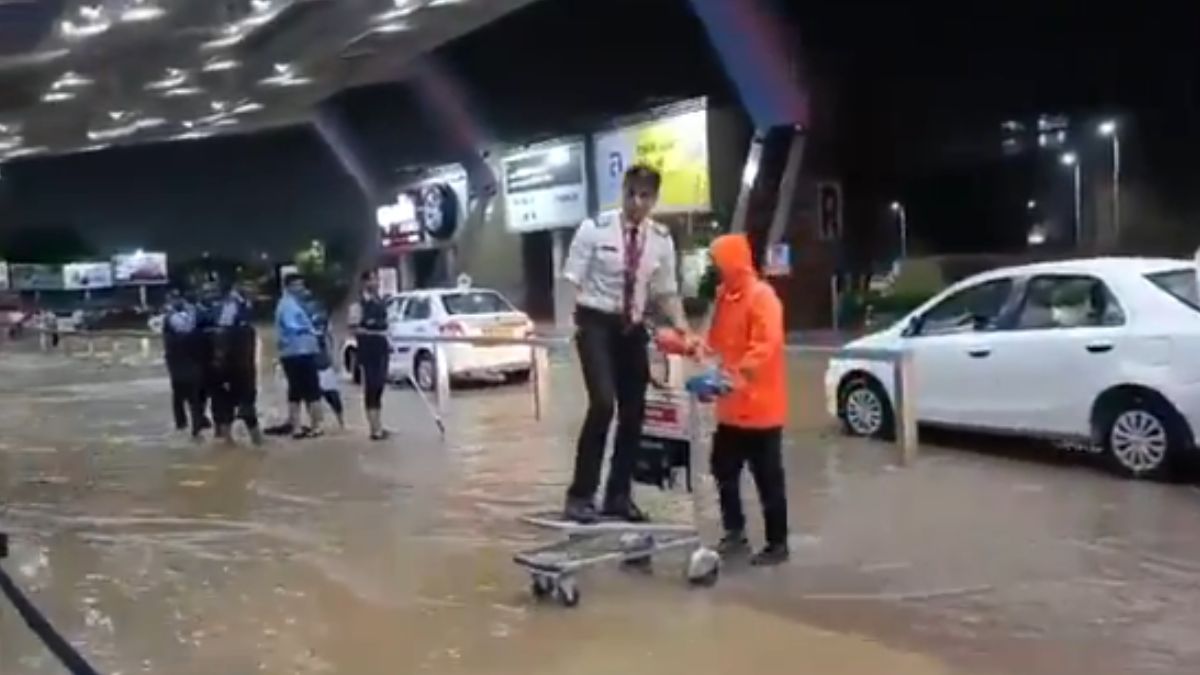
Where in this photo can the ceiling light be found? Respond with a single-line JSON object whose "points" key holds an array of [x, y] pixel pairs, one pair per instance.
{"points": [[141, 10], [221, 65], [10, 142], [117, 115], [94, 147], [24, 152], [219, 106], [72, 30], [91, 12], [392, 27], [285, 76], [180, 92], [403, 9], [57, 96], [192, 135], [71, 80], [150, 122], [445, 3], [260, 6], [226, 122], [173, 78], [248, 107]]}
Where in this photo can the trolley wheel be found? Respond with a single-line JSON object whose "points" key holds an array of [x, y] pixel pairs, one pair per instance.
{"points": [[704, 568], [643, 563], [567, 592], [541, 586]]}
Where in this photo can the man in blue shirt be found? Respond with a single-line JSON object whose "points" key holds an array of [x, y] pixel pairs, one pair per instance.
{"points": [[298, 350]]}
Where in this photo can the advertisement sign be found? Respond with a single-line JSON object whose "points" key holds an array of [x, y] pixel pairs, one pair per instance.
{"points": [[779, 260], [3, 276], [676, 145], [140, 268], [426, 212], [88, 275], [545, 188], [25, 277], [389, 281]]}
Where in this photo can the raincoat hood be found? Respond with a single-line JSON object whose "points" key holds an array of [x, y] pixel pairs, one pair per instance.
{"points": [[732, 257]]}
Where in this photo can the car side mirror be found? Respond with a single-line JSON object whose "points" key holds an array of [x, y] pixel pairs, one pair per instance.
{"points": [[980, 322], [912, 328]]}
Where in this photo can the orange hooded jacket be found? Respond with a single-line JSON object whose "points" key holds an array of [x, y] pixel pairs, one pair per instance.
{"points": [[747, 333]]}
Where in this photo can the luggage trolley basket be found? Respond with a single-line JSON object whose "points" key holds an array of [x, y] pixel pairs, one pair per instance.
{"points": [[673, 439]]}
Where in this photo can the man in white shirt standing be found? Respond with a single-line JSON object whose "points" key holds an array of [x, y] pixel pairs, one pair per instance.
{"points": [[618, 264]]}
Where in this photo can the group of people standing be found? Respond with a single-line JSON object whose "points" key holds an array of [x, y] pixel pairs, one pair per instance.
{"points": [[211, 349]]}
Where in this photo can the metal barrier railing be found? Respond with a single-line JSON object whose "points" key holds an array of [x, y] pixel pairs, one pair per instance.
{"points": [[902, 382]]}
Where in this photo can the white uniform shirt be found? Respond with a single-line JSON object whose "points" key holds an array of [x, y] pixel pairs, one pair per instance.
{"points": [[596, 264]]}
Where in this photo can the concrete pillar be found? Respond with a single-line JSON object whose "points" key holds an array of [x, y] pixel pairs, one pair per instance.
{"points": [[561, 287]]}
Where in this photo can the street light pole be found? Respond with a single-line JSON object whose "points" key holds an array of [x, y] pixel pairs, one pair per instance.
{"points": [[902, 215], [1070, 159], [1109, 129]]}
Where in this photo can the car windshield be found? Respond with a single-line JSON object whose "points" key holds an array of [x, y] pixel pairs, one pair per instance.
{"points": [[475, 302], [1180, 283]]}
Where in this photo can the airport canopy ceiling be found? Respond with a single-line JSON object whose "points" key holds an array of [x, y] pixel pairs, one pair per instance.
{"points": [[83, 75]]}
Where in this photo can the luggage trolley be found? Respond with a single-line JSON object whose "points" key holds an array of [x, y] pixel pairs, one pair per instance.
{"points": [[672, 440]]}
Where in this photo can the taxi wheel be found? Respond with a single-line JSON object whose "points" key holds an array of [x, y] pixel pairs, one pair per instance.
{"points": [[425, 371], [351, 360]]}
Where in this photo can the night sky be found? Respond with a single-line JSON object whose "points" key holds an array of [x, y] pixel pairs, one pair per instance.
{"points": [[907, 102]]}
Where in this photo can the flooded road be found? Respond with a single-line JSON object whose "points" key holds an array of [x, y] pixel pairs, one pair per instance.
{"points": [[156, 555]]}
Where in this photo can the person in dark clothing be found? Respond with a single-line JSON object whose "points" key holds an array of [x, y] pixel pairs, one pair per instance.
{"points": [[233, 365], [369, 320], [184, 368]]}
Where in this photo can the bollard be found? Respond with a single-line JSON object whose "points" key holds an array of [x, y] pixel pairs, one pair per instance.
{"points": [[146, 348], [91, 346], [441, 367], [540, 378], [906, 414]]}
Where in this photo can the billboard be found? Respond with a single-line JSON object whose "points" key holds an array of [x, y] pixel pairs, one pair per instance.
{"points": [[141, 268], [87, 275], [3, 276], [545, 187], [427, 212], [25, 277], [675, 144]]}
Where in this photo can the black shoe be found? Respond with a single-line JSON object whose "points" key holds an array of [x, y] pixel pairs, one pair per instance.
{"points": [[381, 435], [580, 511], [773, 554], [733, 545], [284, 429], [205, 423], [624, 510]]}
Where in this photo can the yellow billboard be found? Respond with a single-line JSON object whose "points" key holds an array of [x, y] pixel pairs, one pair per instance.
{"points": [[676, 145]]}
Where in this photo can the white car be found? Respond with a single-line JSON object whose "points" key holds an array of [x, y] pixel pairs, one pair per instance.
{"points": [[1104, 352], [468, 312]]}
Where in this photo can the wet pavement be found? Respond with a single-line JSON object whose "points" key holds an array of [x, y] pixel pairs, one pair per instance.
{"points": [[157, 555]]}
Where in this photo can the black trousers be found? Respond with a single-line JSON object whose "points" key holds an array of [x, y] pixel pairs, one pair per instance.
{"points": [[735, 447], [234, 392], [616, 370], [373, 357], [188, 400]]}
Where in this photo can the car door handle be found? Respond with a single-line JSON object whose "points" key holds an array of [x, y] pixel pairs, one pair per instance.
{"points": [[1099, 347], [979, 353]]}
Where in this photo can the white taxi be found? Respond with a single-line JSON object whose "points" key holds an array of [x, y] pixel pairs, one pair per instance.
{"points": [[1105, 352], [459, 312]]}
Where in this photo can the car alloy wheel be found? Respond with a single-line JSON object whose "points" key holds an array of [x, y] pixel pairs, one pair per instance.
{"points": [[864, 411], [426, 373], [1139, 441]]}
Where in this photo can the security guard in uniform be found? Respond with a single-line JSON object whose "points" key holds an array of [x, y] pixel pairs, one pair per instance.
{"points": [[369, 320], [233, 365]]}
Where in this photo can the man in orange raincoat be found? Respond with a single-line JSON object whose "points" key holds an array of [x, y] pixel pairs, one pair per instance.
{"points": [[747, 334]]}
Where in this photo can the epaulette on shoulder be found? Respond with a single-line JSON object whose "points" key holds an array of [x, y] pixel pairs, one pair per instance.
{"points": [[660, 229]]}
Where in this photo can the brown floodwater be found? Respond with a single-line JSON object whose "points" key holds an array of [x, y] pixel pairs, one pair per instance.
{"points": [[153, 554]]}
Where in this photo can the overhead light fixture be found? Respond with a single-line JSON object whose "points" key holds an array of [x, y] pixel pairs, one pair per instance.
{"points": [[403, 8], [226, 122], [192, 135], [392, 27], [173, 78], [117, 115], [81, 31], [95, 147], [182, 92], [445, 3], [285, 76], [71, 80], [142, 10], [57, 96], [91, 13], [10, 142], [25, 152], [248, 107], [220, 65]]}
